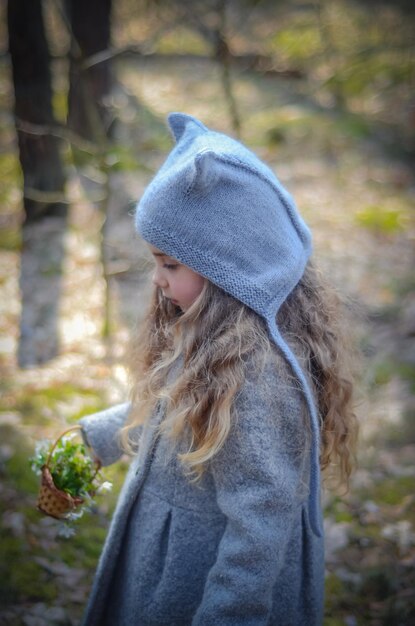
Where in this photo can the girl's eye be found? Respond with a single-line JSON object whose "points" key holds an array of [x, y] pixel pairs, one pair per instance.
{"points": [[170, 266]]}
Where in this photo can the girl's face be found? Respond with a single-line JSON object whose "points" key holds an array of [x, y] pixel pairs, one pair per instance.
{"points": [[178, 282]]}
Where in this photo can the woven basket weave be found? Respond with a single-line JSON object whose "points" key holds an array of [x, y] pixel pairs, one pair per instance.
{"points": [[51, 500]]}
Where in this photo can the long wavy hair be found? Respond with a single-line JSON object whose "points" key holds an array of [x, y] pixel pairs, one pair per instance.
{"points": [[216, 337]]}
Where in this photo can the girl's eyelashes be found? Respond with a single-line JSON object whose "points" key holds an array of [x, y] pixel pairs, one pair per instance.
{"points": [[165, 264]]}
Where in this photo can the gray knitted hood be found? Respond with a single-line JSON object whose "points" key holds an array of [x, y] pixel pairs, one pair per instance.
{"points": [[217, 208]]}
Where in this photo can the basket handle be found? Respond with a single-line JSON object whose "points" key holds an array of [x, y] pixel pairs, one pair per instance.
{"points": [[68, 430]]}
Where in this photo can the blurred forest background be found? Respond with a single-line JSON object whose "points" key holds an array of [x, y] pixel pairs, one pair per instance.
{"points": [[323, 90]]}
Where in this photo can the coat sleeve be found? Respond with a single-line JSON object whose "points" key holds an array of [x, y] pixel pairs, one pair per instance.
{"points": [[259, 479], [100, 432]]}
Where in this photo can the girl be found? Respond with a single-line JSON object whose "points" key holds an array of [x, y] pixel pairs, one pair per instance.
{"points": [[241, 394]]}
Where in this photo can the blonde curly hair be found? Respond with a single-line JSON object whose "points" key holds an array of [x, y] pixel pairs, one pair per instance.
{"points": [[216, 336]]}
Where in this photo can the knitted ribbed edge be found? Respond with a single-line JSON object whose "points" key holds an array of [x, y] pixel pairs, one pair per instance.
{"points": [[197, 259], [314, 507]]}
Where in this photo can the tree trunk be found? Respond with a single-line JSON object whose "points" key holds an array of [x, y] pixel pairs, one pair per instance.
{"points": [[43, 173], [90, 24]]}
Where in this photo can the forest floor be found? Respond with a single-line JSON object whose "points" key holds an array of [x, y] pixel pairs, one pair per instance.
{"points": [[357, 199]]}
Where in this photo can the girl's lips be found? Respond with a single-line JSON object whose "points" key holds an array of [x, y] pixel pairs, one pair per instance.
{"points": [[171, 300]]}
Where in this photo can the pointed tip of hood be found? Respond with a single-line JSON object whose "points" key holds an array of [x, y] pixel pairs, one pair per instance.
{"points": [[180, 122]]}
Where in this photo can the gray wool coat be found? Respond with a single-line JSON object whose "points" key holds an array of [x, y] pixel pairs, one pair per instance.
{"points": [[234, 549]]}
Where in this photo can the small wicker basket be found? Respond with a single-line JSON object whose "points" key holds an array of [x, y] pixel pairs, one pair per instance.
{"points": [[51, 500]]}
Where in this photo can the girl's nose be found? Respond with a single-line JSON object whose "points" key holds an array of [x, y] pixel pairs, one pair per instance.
{"points": [[159, 280]]}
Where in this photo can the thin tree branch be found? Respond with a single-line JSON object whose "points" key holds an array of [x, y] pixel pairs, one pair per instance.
{"points": [[52, 197], [57, 130]]}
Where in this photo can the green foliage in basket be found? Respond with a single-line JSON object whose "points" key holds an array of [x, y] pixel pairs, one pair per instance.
{"points": [[72, 468]]}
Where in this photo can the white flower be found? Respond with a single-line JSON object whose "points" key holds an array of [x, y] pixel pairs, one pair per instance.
{"points": [[41, 446], [69, 437], [66, 531], [105, 487], [75, 515]]}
